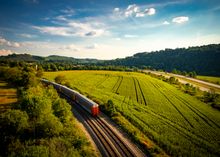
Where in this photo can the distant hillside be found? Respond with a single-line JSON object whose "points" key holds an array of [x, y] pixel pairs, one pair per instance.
{"points": [[22, 57], [205, 60], [52, 58]]}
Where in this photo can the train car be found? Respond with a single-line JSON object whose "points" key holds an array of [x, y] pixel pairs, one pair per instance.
{"points": [[87, 104]]}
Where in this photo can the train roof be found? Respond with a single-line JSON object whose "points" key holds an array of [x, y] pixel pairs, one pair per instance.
{"points": [[88, 100], [67, 88]]}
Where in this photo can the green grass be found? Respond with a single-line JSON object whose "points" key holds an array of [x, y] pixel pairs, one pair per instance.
{"points": [[8, 96], [211, 79], [178, 123]]}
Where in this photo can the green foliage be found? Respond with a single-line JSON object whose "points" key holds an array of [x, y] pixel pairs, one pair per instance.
{"points": [[17, 149], [190, 89], [173, 80], [212, 98], [150, 109], [13, 122], [61, 79], [35, 103], [62, 110], [20, 76], [204, 60], [43, 126], [109, 108]]}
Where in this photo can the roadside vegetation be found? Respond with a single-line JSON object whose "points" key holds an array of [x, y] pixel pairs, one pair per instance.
{"points": [[40, 123], [184, 73], [157, 115]]}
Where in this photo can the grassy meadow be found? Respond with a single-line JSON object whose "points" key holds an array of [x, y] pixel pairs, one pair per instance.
{"points": [[211, 79], [176, 122]]}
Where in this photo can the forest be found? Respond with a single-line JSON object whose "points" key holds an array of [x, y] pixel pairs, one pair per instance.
{"points": [[204, 60]]}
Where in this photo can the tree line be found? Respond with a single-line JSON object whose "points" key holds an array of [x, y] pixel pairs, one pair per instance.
{"points": [[204, 60]]}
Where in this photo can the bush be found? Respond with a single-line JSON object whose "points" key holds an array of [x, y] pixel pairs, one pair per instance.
{"points": [[61, 79]]}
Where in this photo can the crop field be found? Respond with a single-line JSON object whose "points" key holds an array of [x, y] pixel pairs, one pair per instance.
{"points": [[211, 79], [8, 96], [178, 123]]}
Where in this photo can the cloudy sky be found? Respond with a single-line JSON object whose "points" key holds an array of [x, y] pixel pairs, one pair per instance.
{"points": [[105, 29]]}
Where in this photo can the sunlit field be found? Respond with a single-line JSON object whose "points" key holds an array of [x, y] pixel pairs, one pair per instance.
{"points": [[8, 96], [179, 123]]}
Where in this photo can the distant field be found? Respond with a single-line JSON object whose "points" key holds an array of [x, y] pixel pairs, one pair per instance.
{"points": [[8, 96], [180, 124], [211, 79]]}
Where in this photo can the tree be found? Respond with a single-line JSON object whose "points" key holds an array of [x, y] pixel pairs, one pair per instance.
{"points": [[13, 122], [61, 79]]}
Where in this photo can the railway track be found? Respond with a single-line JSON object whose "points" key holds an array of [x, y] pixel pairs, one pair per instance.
{"points": [[108, 142]]}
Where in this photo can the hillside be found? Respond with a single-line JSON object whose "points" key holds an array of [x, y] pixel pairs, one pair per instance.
{"points": [[204, 60], [52, 58]]}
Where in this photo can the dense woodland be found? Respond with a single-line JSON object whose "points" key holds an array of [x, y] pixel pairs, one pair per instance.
{"points": [[40, 123], [204, 60]]}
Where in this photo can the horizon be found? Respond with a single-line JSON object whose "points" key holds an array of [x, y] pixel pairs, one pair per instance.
{"points": [[106, 30], [104, 59]]}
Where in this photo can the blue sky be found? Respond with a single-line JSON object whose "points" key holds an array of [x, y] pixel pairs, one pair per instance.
{"points": [[105, 29]]}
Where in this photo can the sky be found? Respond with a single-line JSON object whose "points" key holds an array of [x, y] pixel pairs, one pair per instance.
{"points": [[106, 29]]}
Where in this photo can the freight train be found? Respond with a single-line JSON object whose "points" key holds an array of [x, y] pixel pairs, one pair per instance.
{"points": [[87, 104]]}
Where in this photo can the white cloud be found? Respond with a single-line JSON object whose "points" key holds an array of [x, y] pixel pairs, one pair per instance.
{"points": [[150, 11], [166, 23], [9, 43], [130, 36], [131, 10], [180, 19], [93, 46], [140, 15], [28, 35], [4, 52], [116, 9], [136, 11], [74, 28], [61, 18], [60, 31], [68, 11], [70, 47]]}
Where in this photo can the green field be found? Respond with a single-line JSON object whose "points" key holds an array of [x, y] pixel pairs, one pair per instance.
{"points": [[179, 123], [211, 79], [8, 96]]}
